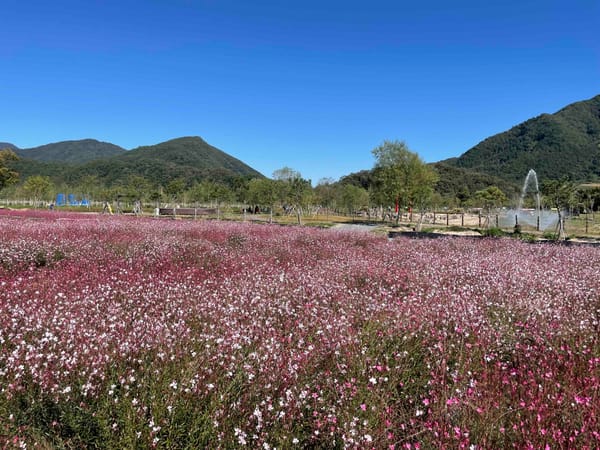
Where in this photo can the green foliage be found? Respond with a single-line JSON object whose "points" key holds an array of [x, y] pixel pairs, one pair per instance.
{"points": [[363, 179], [7, 175], [72, 152], [401, 176], [174, 188], [456, 186], [561, 194], [588, 197], [493, 232], [286, 174], [555, 145], [209, 191], [263, 191], [293, 191], [354, 198], [491, 197], [38, 187], [190, 158], [460, 185], [326, 193]]}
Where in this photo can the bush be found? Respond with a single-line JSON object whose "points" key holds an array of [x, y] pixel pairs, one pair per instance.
{"points": [[494, 232]]}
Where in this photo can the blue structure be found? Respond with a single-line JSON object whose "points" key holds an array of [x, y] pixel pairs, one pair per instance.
{"points": [[70, 200], [60, 200]]}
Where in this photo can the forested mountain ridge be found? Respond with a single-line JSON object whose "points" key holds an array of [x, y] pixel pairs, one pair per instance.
{"points": [[189, 158], [72, 152], [566, 143], [8, 145], [190, 151]]}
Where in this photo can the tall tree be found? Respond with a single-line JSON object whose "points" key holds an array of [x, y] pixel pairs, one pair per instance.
{"points": [[490, 198], [326, 193], [354, 198], [561, 195], [262, 191], [7, 175], [38, 186], [401, 177], [294, 190], [174, 189], [286, 174]]}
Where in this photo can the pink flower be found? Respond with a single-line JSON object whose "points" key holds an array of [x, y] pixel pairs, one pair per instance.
{"points": [[452, 401]]}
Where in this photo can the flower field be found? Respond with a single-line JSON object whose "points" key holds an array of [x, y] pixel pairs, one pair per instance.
{"points": [[134, 333]]}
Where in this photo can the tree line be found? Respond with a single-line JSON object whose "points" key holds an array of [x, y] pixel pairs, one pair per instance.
{"points": [[399, 181]]}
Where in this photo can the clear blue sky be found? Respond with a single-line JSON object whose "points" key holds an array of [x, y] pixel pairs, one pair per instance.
{"points": [[313, 85]]}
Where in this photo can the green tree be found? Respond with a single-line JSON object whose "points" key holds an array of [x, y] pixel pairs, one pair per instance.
{"points": [[401, 177], [294, 191], [561, 195], [89, 186], [199, 192], [239, 186], [7, 175], [174, 189], [490, 198], [326, 193], [210, 191], [286, 174], [354, 198], [138, 187], [262, 191], [38, 187], [221, 193], [589, 196]]}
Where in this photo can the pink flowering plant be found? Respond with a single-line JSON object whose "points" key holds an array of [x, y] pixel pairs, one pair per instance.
{"points": [[135, 333]]}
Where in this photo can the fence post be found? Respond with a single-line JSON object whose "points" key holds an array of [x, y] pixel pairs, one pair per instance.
{"points": [[447, 219]]}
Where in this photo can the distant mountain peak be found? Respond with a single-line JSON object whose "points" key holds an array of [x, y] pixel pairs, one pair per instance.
{"points": [[72, 152], [8, 145]]}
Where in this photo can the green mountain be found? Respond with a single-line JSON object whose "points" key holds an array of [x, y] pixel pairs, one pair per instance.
{"points": [[554, 145], [7, 145], [72, 152], [190, 158], [460, 183]]}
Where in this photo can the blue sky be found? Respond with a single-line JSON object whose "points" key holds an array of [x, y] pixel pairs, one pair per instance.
{"points": [[312, 85]]}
